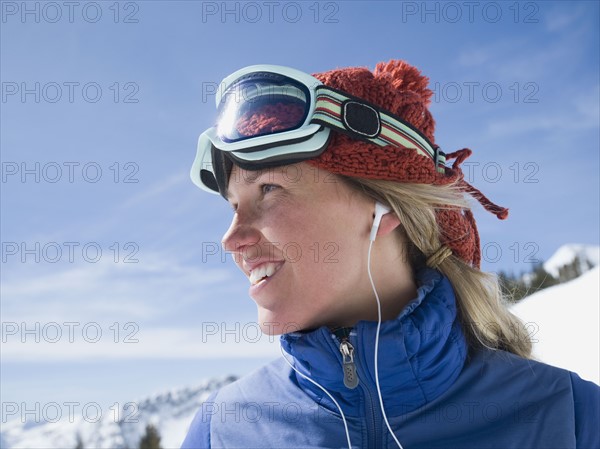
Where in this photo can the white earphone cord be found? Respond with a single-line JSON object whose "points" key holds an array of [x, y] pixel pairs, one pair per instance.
{"points": [[377, 347], [326, 392], [372, 239]]}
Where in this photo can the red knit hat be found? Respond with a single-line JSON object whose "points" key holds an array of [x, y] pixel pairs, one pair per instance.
{"points": [[401, 89]]}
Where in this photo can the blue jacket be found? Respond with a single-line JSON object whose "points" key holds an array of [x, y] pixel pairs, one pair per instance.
{"points": [[436, 393]]}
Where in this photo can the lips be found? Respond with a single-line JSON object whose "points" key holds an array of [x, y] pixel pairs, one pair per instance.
{"points": [[264, 270]]}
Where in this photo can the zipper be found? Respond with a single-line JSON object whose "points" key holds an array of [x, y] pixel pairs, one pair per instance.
{"points": [[374, 424], [351, 381], [348, 365]]}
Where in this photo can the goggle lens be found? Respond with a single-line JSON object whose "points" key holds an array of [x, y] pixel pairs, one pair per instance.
{"points": [[261, 105]]}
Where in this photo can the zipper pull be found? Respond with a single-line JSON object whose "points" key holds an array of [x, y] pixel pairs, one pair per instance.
{"points": [[350, 376]]}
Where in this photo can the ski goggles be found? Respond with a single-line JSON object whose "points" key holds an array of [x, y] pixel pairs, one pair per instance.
{"points": [[270, 116]]}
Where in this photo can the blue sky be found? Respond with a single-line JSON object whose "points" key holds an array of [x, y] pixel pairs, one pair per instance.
{"points": [[517, 82]]}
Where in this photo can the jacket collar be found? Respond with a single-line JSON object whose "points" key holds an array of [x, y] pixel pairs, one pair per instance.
{"points": [[421, 353]]}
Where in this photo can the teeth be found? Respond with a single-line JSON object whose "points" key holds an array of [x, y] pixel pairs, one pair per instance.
{"points": [[267, 269]]}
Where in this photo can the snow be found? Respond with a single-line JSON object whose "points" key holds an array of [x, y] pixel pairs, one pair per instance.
{"points": [[567, 253], [171, 412], [563, 322]]}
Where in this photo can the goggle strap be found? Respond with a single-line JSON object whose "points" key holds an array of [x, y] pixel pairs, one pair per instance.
{"points": [[363, 120]]}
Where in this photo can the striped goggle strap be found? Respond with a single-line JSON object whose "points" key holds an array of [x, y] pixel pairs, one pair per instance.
{"points": [[362, 120]]}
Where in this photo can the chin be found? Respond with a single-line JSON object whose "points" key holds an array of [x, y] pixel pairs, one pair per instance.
{"points": [[272, 324]]}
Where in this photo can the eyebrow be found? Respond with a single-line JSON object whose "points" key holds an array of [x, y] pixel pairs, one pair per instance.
{"points": [[251, 177]]}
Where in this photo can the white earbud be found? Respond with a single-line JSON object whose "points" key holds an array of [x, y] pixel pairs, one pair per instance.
{"points": [[380, 211]]}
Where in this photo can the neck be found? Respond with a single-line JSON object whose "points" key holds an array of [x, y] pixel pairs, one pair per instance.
{"points": [[393, 304], [394, 280], [393, 296]]}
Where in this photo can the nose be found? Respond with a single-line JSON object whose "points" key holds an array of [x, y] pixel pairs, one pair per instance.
{"points": [[241, 238]]}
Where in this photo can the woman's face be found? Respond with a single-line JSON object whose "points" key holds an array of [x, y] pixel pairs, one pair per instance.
{"points": [[301, 236]]}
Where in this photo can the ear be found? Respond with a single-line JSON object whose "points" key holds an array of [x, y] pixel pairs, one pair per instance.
{"points": [[389, 222]]}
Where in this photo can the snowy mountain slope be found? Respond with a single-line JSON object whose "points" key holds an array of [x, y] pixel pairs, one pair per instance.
{"points": [[170, 412], [566, 254], [563, 323]]}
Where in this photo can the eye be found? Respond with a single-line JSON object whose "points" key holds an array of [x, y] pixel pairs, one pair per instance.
{"points": [[266, 188]]}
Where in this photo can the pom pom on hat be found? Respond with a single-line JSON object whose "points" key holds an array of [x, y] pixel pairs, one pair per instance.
{"points": [[401, 89], [394, 86]]}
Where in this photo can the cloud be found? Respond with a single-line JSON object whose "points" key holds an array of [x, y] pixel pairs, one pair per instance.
{"points": [[95, 291], [579, 112], [556, 20], [105, 341], [93, 311], [174, 181], [536, 56]]}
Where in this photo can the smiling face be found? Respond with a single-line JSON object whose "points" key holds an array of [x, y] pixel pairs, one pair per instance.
{"points": [[301, 235], [308, 232]]}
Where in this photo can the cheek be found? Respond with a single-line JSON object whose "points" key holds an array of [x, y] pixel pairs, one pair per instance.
{"points": [[331, 251], [291, 224], [324, 246], [316, 234]]}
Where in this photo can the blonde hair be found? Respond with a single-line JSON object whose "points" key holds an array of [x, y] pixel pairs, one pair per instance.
{"points": [[482, 312]]}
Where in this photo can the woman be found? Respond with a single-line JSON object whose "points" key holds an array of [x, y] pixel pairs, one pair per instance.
{"points": [[363, 254]]}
